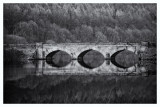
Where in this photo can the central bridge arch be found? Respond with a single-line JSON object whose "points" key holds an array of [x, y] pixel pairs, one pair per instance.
{"points": [[80, 59], [91, 58]]}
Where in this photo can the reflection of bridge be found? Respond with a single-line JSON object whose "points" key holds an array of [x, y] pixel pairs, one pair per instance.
{"points": [[75, 49], [74, 67], [40, 67]]}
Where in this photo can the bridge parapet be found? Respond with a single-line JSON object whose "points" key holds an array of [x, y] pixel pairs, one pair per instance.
{"points": [[75, 49], [41, 50]]}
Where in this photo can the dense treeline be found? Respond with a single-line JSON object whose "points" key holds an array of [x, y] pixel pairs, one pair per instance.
{"points": [[48, 23]]}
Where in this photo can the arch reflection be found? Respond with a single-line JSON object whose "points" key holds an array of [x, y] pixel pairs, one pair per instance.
{"points": [[75, 68]]}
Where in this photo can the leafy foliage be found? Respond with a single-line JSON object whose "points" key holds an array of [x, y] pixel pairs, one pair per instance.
{"points": [[13, 39], [81, 22]]}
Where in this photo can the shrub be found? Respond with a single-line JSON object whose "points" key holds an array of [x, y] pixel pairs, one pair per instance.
{"points": [[14, 39], [13, 56]]}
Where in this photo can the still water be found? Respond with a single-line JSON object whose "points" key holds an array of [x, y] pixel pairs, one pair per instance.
{"points": [[42, 82]]}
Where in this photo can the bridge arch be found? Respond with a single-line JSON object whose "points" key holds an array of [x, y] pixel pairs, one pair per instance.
{"points": [[58, 58], [80, 58], [113, 59], [90, 58], [126, 58], [49, 56]]}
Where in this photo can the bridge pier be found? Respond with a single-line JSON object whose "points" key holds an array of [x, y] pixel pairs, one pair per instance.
{"points": [[40, 53]]}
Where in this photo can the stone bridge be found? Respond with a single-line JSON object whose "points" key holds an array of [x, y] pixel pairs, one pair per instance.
{"points": [[75, 49], [40, 51]]}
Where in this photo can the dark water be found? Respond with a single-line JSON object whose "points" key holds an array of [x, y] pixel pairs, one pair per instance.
{"points": [[89, 79], [39, 82]]}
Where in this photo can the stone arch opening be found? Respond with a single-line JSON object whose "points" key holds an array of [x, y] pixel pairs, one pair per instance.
{"points": [[90, 59], [49, 56], [124, 58], [58, 58]]}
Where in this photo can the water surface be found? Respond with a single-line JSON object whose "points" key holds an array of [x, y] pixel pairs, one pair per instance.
{"points": [[39, 82]]}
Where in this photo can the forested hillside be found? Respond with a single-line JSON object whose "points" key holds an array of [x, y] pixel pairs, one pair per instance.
{"points": [[93, 23]]}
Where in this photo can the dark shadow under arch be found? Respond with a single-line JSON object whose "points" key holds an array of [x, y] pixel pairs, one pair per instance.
{"points": [[81, 61], [114, 61], [91, 59], [49, 56], [50, 61]]}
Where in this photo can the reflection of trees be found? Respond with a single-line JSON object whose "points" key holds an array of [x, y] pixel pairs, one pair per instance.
{"points": [[81, 89]]}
